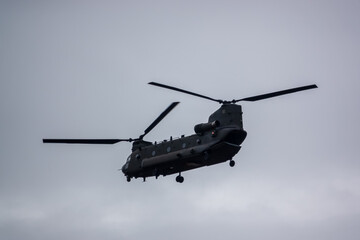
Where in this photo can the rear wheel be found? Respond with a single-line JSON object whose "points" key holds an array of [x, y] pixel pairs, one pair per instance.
{"points": [[232, 163]]}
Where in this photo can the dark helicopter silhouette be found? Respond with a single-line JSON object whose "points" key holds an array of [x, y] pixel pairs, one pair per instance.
{"points": [[214, 142]]}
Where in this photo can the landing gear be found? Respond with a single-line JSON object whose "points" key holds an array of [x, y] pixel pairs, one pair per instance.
{"points": [[232, 163], [156, 173], [128, 178], [179, 178], [206, 155]]}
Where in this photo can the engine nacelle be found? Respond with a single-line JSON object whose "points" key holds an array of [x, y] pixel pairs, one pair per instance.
{"points": [[203, 127]]}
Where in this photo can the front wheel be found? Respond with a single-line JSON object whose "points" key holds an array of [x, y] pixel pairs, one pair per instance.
{"points": [[179, 179]]}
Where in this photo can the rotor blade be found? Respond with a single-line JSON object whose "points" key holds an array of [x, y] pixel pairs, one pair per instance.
{"points": [[278, 93], [86, 141], [159, 118], [184, 91]]}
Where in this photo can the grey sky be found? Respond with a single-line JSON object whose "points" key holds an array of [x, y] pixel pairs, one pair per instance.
{"points": [[79, 70]]}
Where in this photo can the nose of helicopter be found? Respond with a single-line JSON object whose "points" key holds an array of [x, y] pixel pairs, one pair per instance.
{"points": [[124, 168]]}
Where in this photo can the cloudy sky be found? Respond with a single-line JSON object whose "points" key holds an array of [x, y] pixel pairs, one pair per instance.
{"points": [[79, 69]]}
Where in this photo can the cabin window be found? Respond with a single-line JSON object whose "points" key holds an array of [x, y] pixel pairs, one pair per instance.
{"points": [[137, 156], [198, 141], [168, 149], [183, 145], [153, 153]]}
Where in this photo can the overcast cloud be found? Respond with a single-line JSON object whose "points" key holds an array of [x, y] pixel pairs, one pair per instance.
{"points": [[79, 69]]}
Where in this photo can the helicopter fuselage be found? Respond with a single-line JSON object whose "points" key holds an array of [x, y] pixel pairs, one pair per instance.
{"points": [[214, 142]]}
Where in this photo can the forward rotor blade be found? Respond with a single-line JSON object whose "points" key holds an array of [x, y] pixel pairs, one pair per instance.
{"points": [[184, 91], [278, 93], [159, 118], [86, 141]]}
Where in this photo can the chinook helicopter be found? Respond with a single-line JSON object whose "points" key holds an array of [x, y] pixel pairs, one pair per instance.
{"points": [[214, 142]]}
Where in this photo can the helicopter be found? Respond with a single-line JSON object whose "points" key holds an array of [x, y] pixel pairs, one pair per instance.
{"points": [[214, 142]]}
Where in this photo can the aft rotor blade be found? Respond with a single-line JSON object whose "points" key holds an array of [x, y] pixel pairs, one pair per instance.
{"points": [[278, 93], [159, 118], [184, 91], [86, 141]]}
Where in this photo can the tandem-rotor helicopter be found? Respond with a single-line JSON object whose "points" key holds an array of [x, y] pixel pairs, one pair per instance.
{"points": [[214, 142]]}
